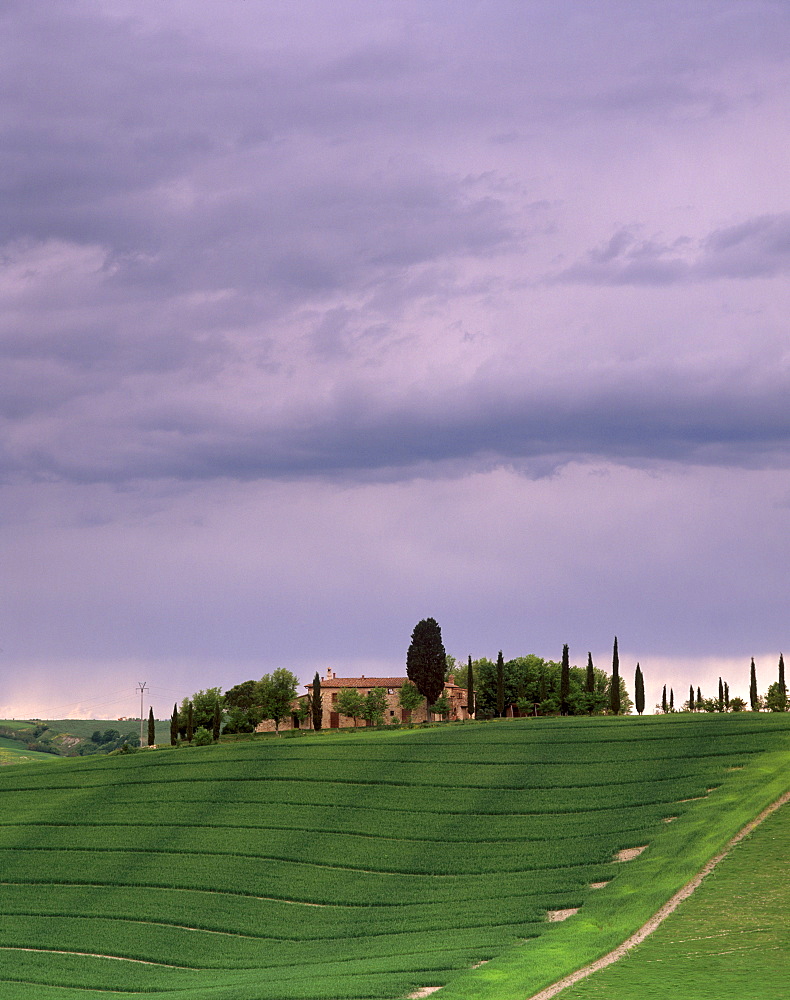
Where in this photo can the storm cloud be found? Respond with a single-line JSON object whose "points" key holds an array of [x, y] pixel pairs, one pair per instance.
{"points": [[373, 284]]}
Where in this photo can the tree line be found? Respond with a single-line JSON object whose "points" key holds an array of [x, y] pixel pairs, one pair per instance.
{"points": [[774, 700]]}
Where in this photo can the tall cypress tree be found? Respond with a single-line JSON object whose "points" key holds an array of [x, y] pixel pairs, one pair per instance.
{"points": [[174, 726], [692, 706], [565, 681], [726, 697], [151, 727], [753, 688], [316, 704], [639, 690], [426, 659], [470, 689], [216, 721], [782, 685], [190, 723], [589, 683], [664, 700], [721, 696], [614, 692], [500, 685], [671, 700], [699, 698]]}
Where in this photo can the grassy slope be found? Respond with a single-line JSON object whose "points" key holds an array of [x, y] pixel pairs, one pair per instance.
{"points": [[427, 853], [84, 728], [731, 933], [12, 752]]}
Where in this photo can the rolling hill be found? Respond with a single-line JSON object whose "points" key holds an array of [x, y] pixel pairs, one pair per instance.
{"points": [[355, 865]]}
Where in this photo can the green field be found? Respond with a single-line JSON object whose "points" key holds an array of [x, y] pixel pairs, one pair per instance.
{"points": [[729, 940], [369, 864], [12, 752]]}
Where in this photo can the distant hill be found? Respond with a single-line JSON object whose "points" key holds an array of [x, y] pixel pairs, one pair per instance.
{"points": [[72, 737]]}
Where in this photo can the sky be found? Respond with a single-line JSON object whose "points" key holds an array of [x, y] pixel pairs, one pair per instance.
{"points": [[321, 318]]}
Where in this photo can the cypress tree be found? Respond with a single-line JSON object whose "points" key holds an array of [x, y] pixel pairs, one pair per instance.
{"points": [[174, 726], [726, 697], [614, 693], [190, 723], [692, 706], [782, 685], [565, 681], [470, 689], [216, 722], [151, 727], [699, 698], [671, 700], [500, 685], [721, 696], [664, 700], [753, 688], [639, 690], [316, 705], [426, 659], [589, 683]]}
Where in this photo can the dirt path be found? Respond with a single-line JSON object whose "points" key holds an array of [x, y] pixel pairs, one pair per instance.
{"points": [[662, 914]]}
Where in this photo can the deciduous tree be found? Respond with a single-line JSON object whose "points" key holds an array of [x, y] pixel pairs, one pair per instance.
{"points": [[350, 703], [375, 704], [409, 698], [277, 692], [426, 659]]}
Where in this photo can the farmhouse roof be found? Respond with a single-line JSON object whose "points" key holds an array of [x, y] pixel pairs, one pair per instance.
{"points": [[355, 682]]}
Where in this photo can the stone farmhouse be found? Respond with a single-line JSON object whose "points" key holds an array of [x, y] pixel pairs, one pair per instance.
{"points": [[331, 685]]}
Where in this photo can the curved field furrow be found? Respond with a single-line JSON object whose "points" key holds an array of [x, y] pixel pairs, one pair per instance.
{"points": [[345, 866]]}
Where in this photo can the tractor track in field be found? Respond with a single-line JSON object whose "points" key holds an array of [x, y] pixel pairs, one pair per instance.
{"points": [[658, 918]]}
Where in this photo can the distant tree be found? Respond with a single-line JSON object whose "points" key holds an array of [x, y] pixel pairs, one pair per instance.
{"points": [[96, 736], [782, 684], [151, 727], [316, 705], [470, 689], [664, 705], [671, 700], [737, 704], [721, 696], [216, 722], [500, 685], [692, 706], [565, 681], [699, 698], [277, 692], [174, 726], [776, 698], [614, 691], [243, 703], [639, 690], [409, 698], [726, 697], [202, 737], [375, 704], [190, 722], [441, 706], [589, 683], [202, 707], [753, 696], [350, 703], [426, 659]]}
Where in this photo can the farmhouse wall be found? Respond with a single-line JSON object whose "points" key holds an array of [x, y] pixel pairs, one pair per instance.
{"points": [[331, 686]]}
